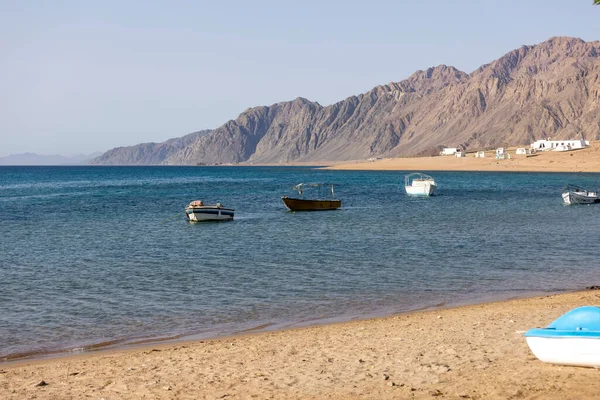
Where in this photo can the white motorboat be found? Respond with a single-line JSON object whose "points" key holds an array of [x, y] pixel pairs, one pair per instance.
{"points": [[418, 184], [197, 211], [572, 194], [572, 339]]}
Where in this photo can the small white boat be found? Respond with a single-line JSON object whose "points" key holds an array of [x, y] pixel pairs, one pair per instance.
{"points": [[572, 194], [572, 339], [418, 184], [197, 211]]}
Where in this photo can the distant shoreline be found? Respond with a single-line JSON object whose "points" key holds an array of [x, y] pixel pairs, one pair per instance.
{"points": [[584, 160]]}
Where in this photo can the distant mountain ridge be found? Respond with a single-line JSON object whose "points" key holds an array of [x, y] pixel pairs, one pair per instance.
{"points": [[147, 153], [551, 89], [38, 159]]}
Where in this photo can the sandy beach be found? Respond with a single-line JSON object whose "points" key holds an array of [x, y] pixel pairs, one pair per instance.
{"points": [[585, 160], [468, 352]]}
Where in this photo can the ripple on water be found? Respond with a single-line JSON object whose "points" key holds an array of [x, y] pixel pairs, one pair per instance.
{"points": [[97, 256]]}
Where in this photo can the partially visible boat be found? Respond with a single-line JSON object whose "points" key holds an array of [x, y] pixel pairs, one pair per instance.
{"points": [[418, 184], [197, 211], [320, 203], [572, 339], [572, 194]]}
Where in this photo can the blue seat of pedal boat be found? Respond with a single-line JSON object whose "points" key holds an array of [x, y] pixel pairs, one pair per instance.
{"points": [[581, 322]]}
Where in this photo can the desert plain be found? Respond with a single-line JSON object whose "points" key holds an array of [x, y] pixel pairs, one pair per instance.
{"points": [[584, 160]]}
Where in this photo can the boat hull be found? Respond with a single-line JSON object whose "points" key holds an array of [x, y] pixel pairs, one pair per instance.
{"points": [[310, 205], [421, 190], [579, 198], [582, 352], [200, 214]]}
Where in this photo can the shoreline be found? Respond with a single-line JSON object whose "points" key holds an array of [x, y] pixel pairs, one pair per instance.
{"points": [[115, 346], [574, 161], [473, 350]]}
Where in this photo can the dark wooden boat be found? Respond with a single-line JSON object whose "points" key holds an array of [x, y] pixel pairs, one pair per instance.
{"points": [[310, 205], [319, 204]]}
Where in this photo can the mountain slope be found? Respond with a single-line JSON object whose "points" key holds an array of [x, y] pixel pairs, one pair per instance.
{"points": [[548, 90], [301, 130]]}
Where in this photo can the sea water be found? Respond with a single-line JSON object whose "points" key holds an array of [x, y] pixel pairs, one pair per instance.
{"points": [[99, 256]]}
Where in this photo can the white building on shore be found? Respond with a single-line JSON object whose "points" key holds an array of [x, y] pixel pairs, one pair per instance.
{"points": [[523, 151], [559, 145], [448, 151]]}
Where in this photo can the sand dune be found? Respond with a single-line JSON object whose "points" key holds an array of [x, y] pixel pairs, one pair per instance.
{"points": [[469, 352]]}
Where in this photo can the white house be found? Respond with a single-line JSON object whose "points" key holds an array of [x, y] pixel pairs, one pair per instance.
{"points": [[523, 151], [562, 145], [460, 153], [480, 154], [448, 151]]}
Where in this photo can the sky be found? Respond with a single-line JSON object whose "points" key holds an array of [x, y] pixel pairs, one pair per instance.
{"points": [[86, 76]]}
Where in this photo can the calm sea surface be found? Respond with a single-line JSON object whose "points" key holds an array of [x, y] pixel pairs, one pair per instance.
{"points": [[94, 256]]}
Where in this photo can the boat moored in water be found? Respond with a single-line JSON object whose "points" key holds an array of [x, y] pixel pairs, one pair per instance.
{"points": [[418, 184], [197, 211], [572, 339], [572, 194], [317, 204]]}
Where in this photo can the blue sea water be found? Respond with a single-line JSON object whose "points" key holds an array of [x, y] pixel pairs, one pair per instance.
{"points": [[95, 256]]}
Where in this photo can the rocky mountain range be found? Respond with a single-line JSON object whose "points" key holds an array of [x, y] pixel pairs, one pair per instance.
{"points": [[551, 89]]}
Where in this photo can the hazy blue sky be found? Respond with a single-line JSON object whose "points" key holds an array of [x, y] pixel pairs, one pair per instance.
{"points": [[83, 76]]}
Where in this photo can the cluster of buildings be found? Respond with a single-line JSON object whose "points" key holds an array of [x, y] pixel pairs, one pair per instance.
{"points": [[538, 145], [559, 145]]}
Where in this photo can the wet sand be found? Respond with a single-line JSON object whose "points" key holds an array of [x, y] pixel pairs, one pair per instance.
{"points": [[584, 160], [468, 352]]}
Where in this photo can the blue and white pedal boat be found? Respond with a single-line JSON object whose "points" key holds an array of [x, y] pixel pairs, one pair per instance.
{"points": [[572, 339], [197, 211]]}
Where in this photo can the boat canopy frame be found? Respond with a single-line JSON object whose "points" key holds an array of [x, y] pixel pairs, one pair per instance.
{"points": [[416, 175], [319, 187], [576, 188]]}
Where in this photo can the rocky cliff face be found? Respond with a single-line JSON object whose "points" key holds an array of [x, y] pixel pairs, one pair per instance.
{"points": [[147, 153], [548, 90]]}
